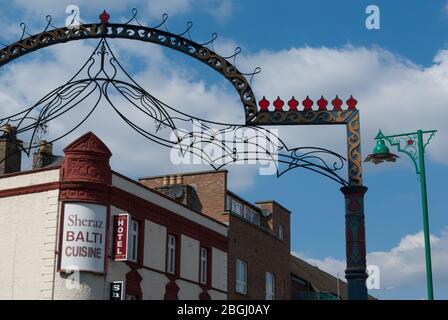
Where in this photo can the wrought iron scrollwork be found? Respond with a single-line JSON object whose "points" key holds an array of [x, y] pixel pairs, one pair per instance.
{"points": [[28, 43], [104, 78], [321, 116]]}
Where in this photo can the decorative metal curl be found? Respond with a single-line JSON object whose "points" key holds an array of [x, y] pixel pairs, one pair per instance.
{"points": [[136, 32], [104, 77]]}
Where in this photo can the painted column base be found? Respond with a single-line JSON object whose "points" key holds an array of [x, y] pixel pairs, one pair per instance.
{"points": [[355, 273]]}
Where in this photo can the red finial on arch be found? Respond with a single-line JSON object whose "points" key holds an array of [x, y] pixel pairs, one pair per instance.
{"points": [[307, 103], [322, 103], [293, 103], [104, 17], [352, 102], [337, 103], [264, 104], [278, 104]]}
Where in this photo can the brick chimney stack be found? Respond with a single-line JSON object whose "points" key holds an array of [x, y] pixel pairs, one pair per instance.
{"points": [[10, 152], [44, 155]]}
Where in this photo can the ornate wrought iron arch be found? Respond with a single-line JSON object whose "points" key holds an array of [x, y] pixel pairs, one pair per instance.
{"points": [[137, 32], [308, 158]]}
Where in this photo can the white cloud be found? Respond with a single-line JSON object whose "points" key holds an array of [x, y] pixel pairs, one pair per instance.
{"points": [[403, 265], [35, 11], [393, 93], [172, 7]]}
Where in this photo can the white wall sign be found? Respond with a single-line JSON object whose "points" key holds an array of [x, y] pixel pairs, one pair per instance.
{"points": [[84, 237]]}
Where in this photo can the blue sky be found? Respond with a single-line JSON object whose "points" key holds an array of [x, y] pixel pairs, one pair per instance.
{"points": [[399, 75]]}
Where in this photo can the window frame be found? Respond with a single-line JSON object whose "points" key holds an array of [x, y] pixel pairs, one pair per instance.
{"points": [[134, 245], [171, 248], [270, 286], [281, 232], [235, 203], [241, 284], [204, 266]]}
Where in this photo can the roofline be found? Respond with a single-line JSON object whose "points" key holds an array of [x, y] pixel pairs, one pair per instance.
{"points": [[233, 194], [167, 197], [274, 202], [191, 173], [31, 171], [320, 270]]}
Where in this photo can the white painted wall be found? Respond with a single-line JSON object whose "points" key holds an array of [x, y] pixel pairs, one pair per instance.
{"points": [[88, 286], [171, 205], [24, 180], [217, 295], [189, 258], [188, 290], [153, 285], [27, 242], [155, 246], [219, 269]]}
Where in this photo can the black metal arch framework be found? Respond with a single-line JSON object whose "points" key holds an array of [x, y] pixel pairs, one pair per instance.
{"points": [[103, 77], [166, 116], [141, 33]]}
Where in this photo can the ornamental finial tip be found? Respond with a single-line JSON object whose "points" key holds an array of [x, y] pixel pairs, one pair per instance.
{"points": [[104, 17]]}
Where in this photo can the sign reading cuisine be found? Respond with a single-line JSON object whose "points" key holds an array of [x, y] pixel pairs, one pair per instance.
{"points": [[84, 231]]}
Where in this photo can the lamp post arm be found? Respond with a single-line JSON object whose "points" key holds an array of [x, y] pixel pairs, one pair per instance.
{"points": [[408, 143], [413, 144]]}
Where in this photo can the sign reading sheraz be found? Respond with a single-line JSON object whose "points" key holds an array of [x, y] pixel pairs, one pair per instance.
{"points": [[121, 225], [83, 244]]}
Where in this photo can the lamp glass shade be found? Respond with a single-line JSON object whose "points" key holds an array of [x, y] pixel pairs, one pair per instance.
{"points": [[380, 147]]}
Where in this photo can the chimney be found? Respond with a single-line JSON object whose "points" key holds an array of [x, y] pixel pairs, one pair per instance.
{"points": [[10, 150], [44, 155]]}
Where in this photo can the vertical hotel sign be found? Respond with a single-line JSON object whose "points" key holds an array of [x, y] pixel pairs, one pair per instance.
{"points": [[83, 243], [121, 227]]}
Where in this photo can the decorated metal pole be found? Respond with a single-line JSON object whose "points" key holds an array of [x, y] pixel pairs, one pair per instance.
{"points": [[355, 236], [421, 151], [412, 144], [355, 242], [353, 190]]}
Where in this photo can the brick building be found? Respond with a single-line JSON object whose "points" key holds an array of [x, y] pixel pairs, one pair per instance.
{"points": [[60, 216], [258, 264], [189, 237]]}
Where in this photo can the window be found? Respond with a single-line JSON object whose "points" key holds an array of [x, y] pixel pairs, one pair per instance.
{"points": [[283, 288], [281, 232], [237, 207], [133, 243], [255, 217], [203, 266], [248, 213], [269, 286], [241, 276], [171, 255], [251, 215]]}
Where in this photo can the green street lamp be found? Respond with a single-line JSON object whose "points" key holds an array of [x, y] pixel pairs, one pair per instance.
{"points": [[413, 145]]}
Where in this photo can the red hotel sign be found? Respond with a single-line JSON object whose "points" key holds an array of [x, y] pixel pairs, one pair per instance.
{"points": [[121, 227]]}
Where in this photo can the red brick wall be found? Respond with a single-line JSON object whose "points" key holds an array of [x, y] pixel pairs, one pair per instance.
{"points": [[210, 186], [279, 216], [260, 248], [263, 253]]}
